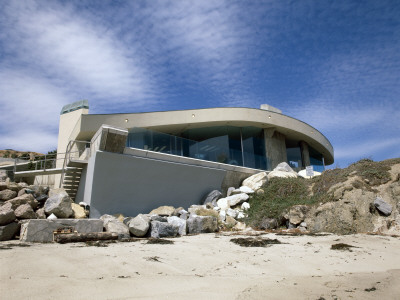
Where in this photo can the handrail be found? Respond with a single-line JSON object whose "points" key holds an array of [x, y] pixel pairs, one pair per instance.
{"points": [[67, 156]]}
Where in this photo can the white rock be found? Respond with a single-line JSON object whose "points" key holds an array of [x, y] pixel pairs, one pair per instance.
{"points": [[245, 205], [178, 222], [52, 217], [222, 215], [183, 214], [237, 199], [223, 203], [217, 208], [281, 174], [240, 215], [229, 191], [284, 167], [256, 181], [235, 192], [232, 212], [246, 189]]}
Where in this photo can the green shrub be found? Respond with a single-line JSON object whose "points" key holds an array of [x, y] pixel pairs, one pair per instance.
{"points": [[279, 195]]}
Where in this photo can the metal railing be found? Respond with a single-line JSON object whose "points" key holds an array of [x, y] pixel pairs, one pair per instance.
{"points": [[76, 150], [37, 162]]}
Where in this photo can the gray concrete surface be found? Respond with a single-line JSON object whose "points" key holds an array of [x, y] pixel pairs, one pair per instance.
{"points": [[130, 185]]}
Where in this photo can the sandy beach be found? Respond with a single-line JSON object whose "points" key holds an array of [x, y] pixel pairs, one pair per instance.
{"points": [[207, 266]]}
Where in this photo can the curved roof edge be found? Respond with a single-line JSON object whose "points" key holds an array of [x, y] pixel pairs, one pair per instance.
{"points": [[192, 118]]}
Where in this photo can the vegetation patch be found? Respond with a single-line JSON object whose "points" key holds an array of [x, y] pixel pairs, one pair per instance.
{"points": [[279, 195], [159, 241], [98, 243], [255, 242], [10, 246], [342, 247], [372, 173]]}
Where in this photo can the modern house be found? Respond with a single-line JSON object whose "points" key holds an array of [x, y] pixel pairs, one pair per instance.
{"points": [[134, 162]]}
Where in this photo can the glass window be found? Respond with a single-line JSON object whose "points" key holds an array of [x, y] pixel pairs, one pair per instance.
{"points": [[293, 153], [316, 160], [222, 144]]}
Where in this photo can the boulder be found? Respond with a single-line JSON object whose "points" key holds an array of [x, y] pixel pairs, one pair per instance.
{"points": [[116, 226], [245, 205], [284, 167], [246, 189], [79, 211], [7, 194], [25, 211], [24, 199], [223, 203], [281, 174], [177, 211], [52, 217], [3, 186], [232, 212], [229, 191], [42, 198], [384, 207], [178, 222], [8, 232], [163, 229], [268, 223], [183, 214], [163, 211], [40, 213], [7, 214], [222, 215], [297, 214], [212, 197], [14, 187], [42, 230], [202, 224], [21, 192], [235, 192], [139, 225], [256, 181], [229, 221], [53, 192], [60, 205], [193, 208], [241, 215], [22, 185], [158, 218], [237, 199]]}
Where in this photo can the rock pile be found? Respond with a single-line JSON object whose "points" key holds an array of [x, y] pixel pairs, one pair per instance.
{"points": [[20, 202]]}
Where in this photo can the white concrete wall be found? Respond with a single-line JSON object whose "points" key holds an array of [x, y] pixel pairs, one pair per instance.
{"points": [[67, 124]]}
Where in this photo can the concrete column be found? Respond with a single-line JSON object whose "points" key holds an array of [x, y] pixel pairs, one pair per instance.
{"points": [[305, 154], [275, 147]]}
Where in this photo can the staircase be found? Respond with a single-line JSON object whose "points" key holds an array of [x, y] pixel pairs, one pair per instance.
{"points": [[75, 160], [72, 177]]}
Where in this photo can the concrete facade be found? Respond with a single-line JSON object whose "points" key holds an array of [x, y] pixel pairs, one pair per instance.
{"points": [[116, 183]]}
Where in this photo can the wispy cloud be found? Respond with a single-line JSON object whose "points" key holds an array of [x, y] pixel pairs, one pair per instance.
{"points": [[57, 41]]}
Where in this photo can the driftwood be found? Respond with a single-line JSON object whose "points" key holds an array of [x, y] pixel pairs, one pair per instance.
{"points": [[75, 237]]}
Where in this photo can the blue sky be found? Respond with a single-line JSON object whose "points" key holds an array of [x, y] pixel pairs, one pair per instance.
{"points": [[332, 64]]}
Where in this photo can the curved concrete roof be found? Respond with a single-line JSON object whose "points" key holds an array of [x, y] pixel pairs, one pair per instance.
{"points": [[178, 121]]}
